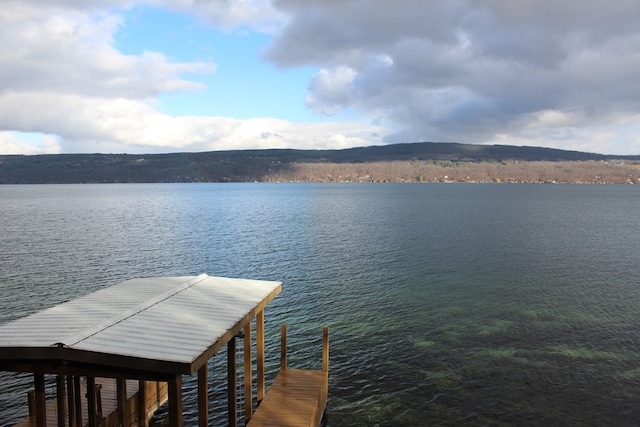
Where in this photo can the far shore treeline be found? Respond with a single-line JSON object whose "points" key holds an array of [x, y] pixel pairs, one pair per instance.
{"points": [[416, 162]]}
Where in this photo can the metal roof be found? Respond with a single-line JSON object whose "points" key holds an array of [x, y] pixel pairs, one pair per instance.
{"points": [[161, 324]]}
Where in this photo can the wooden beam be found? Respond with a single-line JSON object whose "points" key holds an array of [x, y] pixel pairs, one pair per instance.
{"points": [[121, 401], [142, 403], [60, 395], [71, 401], [203, 397], [260, 354], [283, 347], [231, 382], [91, 402], [175, 401], [78, 398], [325, 349], [248, 374], [40, 401]]}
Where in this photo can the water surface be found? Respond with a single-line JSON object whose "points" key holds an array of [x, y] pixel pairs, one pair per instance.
{"points": [[449, 304]]}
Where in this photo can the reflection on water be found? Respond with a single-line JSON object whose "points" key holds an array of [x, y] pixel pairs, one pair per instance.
{"points": [[449, 304]]}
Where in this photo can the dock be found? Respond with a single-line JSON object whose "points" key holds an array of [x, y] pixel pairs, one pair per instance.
{"points": [[154, 395], [118, 354]]}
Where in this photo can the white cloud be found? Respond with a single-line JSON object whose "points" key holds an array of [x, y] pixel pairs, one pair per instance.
{"points": [[64, 87]]}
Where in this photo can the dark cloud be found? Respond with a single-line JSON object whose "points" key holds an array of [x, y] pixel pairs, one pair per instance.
{"points": [[470, 70]]}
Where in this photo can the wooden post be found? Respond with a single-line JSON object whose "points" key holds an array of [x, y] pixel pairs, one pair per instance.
{"points": [[142, 403], [91, 402], [60, 395], [283, 347], [248, 375], [175, 401], [231, 382], [78, 398], [71, 401], [121, 400], [203, 396], [325, 349], [260, 354], [40, 404]]}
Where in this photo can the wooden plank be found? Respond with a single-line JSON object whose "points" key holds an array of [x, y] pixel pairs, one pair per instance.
{"points": [[297, 398]]}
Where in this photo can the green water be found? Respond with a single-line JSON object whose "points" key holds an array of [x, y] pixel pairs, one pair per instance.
{"points": [[464, 304]]}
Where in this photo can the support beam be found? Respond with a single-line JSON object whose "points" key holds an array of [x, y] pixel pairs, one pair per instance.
{"points": [[60, 404], [283, 347], [175, 402], [325, 349], [121, 401], [78, 398], [231, 382], [142, 403], [91, 402], [248, 374], [203, 397], [260, 354], [40, 408], [71, 401]]}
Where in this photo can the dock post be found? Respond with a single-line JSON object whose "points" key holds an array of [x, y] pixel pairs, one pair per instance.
{"points": [[121, 400], [203, 396], [260, 354], [231, 383], [248, 375], [283, 347], [175, 401], [78, 398], [71, 401], [91, 402], [40, 404], [60, 395]]}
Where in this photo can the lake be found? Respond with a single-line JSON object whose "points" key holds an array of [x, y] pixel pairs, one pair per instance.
{"points": [[449, 304]]}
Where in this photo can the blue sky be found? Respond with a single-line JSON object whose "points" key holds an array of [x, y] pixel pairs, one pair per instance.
{"points": [[243, 85], [152, 76]]}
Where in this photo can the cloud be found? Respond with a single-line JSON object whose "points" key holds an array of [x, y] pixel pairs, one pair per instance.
{"points": [[46, 50], [64, 87], [86, 124], [473, 71]]}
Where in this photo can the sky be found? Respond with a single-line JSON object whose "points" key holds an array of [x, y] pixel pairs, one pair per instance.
{"points": [[159, 76]]}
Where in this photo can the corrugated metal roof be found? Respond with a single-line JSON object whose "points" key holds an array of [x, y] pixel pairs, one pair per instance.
{"points": [[172, 319]]}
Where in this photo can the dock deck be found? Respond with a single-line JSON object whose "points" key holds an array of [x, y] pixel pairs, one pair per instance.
{"points": [[155, 394]]}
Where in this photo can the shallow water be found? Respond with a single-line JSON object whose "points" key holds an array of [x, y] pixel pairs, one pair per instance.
{"points": [[448, 304]]}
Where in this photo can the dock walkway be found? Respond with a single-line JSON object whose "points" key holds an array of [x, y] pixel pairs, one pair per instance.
{"points": [[155, 394], [297, 397]]}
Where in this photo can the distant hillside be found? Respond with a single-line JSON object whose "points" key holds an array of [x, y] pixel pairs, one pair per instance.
{"points": [[255, 165]]}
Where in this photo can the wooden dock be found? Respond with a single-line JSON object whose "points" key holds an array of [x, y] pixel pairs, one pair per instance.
{"points": [[154, 395], [99, 348], [297, 397]]}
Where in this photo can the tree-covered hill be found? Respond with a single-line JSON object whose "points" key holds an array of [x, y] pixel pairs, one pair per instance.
{"points": [[254, 165]]}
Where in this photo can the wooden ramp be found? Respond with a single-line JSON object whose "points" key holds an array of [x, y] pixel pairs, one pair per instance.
{"points": [[297, 397], [154, 395]]}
